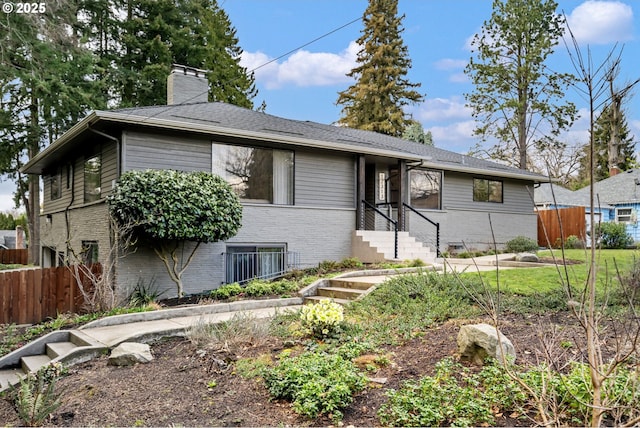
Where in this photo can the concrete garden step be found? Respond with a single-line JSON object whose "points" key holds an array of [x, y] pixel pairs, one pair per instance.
{"points": [[10, 377], [33, 363], [59, 349], [340, 292], [315, 299], [357, 283]]}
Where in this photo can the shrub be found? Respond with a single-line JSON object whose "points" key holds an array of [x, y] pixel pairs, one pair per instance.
{"points": [[35, 398], [322, 318], [573, 242], [316, 383], [613, 235], [145, 292], [521, 244], [226, 291], [351, 263]]}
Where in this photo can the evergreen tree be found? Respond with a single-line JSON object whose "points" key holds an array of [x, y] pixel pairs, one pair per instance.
{"points": [[375, 102], [415, 132], [45, 88], [517, 98], [602, 136], [196, 33]]}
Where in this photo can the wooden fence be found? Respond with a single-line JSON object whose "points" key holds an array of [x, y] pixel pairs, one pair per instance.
{"points": [[29, 296], [550, 234], [14, 257]]}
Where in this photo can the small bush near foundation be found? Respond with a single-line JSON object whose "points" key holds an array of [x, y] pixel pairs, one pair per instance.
{"points": [[521, 244], [613, 235], [316, 383]]}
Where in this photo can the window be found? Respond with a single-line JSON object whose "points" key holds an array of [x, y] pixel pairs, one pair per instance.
{"points": [[425, 188], [624, 215], [56, 187], [244, 263], [92, 179], [256, 175], [69, 174], [487, 190], [89, 252]]}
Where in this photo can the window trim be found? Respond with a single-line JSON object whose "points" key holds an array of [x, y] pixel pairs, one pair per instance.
{"points": [[488, 181], [628, 217]]}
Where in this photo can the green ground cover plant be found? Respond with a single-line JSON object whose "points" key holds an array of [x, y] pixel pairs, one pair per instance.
{"points": [[405, 305], [315, 382]]}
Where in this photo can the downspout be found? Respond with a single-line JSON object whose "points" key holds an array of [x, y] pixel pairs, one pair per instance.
{"points": [[113, 239]]}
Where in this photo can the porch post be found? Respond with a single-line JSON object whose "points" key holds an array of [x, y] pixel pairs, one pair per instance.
{"points": [[360, 177], [402, 184]]}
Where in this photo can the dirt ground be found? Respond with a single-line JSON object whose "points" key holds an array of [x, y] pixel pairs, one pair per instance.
{"points": [[175, 389]]}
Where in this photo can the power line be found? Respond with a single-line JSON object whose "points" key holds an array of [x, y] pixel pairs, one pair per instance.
{"points": [[306, 44]]}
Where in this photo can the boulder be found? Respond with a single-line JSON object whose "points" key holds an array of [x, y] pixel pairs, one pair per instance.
{"points": [[527, 257], [476, 342], [130, 353]]}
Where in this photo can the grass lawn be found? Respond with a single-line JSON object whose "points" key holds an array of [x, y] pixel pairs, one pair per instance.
{"points": [[528, 281]]}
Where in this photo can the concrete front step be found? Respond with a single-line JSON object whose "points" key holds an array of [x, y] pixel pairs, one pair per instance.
{"points": [[340, 292]]}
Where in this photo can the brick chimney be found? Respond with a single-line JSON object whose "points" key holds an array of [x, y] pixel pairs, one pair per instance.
{"points": [[613, 170], [187, 85]]}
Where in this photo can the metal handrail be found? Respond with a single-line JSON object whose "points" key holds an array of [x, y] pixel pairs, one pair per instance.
{"points": [[386, 217], [437, 225]]}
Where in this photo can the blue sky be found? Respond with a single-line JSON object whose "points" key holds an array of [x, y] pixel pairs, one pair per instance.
{"points": [[304, 85]]}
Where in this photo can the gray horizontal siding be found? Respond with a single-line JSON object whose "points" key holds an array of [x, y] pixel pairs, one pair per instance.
{"points": [[109, 174], [476, 229], [143, 151], [457, 193], [324, 180]]}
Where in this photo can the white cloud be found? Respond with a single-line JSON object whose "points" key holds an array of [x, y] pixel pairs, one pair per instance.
{"points": [[457, 137], [459, 78], [601, 22], [442, 109], [303, 68], [451, 64]]}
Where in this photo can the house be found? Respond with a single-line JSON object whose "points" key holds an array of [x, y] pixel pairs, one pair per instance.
{"points": [[310, 192], [12, 239], [616, 199]]}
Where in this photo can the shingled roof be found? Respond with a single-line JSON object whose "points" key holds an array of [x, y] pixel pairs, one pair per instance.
{"points": [[622, 188], [221, 118]]}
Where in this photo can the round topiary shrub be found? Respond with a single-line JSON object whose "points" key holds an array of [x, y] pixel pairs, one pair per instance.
{"points": [[521, 244]]}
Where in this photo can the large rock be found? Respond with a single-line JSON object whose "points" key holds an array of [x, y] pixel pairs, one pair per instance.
{"points": [[130, 353], [476, 342], [527, 257]]}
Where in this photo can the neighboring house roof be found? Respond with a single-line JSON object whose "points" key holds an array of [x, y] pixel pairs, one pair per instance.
{"points": [[553, 194], [237, 122], [622, 188]]}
